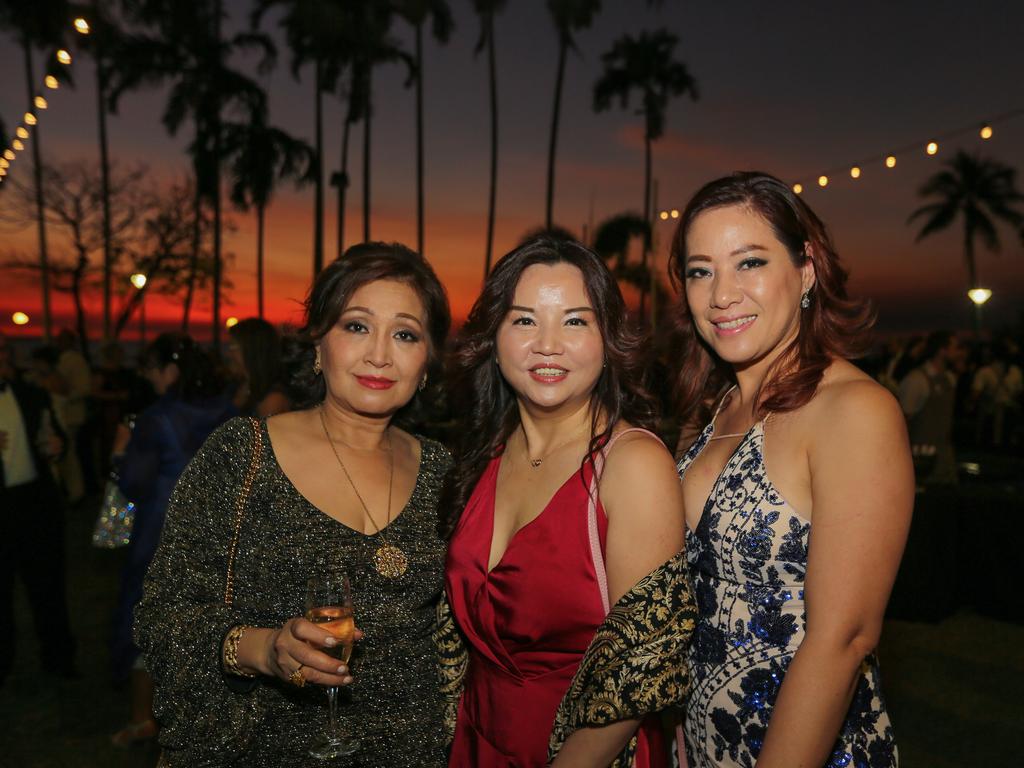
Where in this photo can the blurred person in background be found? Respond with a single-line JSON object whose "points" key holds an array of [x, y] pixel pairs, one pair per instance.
{"points": [[166, 436], [31, 521], [928, 398], [253, 358], [77, 465], [995, 391]]}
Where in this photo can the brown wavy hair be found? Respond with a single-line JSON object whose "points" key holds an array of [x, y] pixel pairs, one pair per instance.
{"points": [[833, 326], [488, 403]]}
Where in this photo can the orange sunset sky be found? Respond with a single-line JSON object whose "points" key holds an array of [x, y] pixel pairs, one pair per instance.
{"points": [[792, 88]]}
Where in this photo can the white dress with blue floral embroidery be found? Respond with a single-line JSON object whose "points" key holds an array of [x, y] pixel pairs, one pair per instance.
{"points": [[748, 561]]}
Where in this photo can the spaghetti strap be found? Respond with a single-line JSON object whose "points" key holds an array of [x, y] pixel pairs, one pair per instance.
{"points": [[721, 403]]}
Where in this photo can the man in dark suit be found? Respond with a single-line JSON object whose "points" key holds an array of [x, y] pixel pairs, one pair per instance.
{"points": [[31, 521]]}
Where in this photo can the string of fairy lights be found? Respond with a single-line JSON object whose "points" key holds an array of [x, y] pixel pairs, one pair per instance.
{"points": [[886, 161], [38, 104]]}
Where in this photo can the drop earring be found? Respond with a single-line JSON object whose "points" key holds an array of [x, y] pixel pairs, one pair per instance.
{"points": [[316, 364], [805, 300], [423, 383]]}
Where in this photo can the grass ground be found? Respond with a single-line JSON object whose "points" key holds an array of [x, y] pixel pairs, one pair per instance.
{"points": [[953, 688]]}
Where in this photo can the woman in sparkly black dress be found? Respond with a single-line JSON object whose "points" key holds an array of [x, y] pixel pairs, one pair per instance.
{"points": [[782, 659], [336, 486]]}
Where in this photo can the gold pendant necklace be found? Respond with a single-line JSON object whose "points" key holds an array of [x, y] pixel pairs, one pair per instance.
{"points": [[535, 463], [389, 560]]}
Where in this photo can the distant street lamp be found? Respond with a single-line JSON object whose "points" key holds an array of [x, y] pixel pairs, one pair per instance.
{"points": [[979, 295], [138, 281], [19, 318], [231, 322]]}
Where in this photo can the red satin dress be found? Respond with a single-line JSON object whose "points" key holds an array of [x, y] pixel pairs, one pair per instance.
{"points": [[528, 623]]}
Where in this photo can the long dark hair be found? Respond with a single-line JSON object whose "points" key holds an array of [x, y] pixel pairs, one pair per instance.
{"points": [[489, 403], [833, 326], [197, 375], [260, 345], [359, 265]]}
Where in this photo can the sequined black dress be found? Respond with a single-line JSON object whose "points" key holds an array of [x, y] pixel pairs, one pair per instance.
{"points": [[394, 707], [748, 561]]}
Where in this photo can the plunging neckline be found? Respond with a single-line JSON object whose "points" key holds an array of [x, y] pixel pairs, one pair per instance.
{"points": [[515, 535]]}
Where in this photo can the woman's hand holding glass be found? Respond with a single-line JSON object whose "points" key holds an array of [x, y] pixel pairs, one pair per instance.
{"points": [[301, 642]]}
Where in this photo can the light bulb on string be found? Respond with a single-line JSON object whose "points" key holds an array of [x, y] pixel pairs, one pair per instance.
{"points": [[4, 162], [30, 119], [674, 213], [63, 57], [855, 172], [8, 154], [22, 132], [823, 181], [51, 82], [40, 102], [985, 132], [81, 26], [663, 215], [890, 161], [798, 188], [932, 148], [18, 146]]}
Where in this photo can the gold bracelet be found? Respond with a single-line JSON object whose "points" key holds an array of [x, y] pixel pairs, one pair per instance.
{"points": [[230, 661]]}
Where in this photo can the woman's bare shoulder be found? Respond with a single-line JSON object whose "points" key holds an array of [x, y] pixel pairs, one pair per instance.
{"points": [[849, 398]]}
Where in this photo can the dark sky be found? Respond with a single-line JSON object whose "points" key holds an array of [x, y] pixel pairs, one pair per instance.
{"points": [[793, 88]]}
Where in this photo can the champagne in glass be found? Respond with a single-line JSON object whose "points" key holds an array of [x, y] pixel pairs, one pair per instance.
{"points": [[329, 606]]}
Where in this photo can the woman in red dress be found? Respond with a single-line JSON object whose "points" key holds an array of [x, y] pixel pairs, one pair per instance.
{"points": [[566, 502]]}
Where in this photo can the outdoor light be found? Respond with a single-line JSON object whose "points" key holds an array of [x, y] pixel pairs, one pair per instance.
{"points": [[823, 181], [986, 132], [19, 318], [81, 26], [51, 82], [138, 280], [3, 172], [798, 188], [890, 161], [22, 132], [855, 172], [674, 213], [663, 215], [63, 56], [231, 322], [30, 119], [8, 154], [979, 295], [18, 146], [40, 103], [4, 162], [932, 148]]}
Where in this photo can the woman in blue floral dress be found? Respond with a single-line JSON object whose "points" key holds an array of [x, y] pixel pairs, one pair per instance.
{"points": [[796, 438]]}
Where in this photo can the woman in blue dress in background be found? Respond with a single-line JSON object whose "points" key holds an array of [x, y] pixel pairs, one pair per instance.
{"points": [[782, 658], [166, 436]]}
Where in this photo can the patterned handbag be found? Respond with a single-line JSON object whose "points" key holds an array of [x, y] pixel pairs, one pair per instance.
{"points": [[114, 525]]}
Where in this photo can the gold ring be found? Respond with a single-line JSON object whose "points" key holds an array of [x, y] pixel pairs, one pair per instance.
{"points": [[296, 678]]}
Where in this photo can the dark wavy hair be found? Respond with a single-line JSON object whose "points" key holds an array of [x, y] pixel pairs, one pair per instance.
{"points": [[488, 403], [197, 374], [359, 265], [833, 326], [260, 345]]}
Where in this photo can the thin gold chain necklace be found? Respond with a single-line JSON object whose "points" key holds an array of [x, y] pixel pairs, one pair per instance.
{"points": [[389, 560], [535, 463]]}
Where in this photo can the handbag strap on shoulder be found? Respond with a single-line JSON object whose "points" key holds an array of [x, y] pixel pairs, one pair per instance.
{"points": [[240, 504]]}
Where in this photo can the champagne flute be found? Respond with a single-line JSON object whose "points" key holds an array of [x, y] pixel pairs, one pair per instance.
{"points": [[329, 606]]}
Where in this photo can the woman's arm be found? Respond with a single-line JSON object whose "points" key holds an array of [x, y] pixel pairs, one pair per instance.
{"points": [[642, 498], [862, 486]]}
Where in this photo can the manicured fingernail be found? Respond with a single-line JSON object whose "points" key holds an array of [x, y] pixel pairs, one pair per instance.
{"points": [[342, 670], [347, 680], [330, 641]]}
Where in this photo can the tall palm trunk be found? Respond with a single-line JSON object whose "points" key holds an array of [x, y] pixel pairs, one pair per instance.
{"points": [[647, 211], [343, 185], [218, 264], [193, 262], [493, 193], [553, 143], [260, 216], [108, 256], [367, 132], [318, 205], [972, 276], [44, 260], [419, 138]]}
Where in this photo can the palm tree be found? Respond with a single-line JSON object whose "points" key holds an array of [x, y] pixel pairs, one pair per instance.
{"points": [[644, 64], [188, 51], [982, 192], [316, 34], [569, 16], [259, 155], [416, 12], [612, 239], [486, 10], [37, 25]]}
